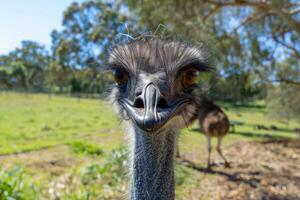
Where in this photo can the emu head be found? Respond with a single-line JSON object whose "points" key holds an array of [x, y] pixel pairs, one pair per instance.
{"points": [[156, 82]]}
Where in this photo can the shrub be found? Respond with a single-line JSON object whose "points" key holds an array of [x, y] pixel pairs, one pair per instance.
{"points": [[80, 147], [95, 181], [112, 170], [13, 186]]}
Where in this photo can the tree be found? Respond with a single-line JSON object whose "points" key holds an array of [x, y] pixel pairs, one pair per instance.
{"points": [[284, 97], [58, 76], [284, 102], [5, 73], [25, 66], [89, 29], [251, 35]]}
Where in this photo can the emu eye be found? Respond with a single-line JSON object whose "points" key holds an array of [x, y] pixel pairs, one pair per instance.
{"points": [[121, 77], [189, 77]]}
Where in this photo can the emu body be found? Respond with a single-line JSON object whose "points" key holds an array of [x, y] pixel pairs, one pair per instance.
{"points": [[155, 94], [214, 123]]}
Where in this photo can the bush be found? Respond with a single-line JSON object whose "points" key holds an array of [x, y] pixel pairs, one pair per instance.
{"points": [[94, 181], [112, 171], [111, 174], [80, 147], [13, 186]]}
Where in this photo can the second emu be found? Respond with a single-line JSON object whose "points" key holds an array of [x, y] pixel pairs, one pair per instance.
{"points": [[214, 123]]}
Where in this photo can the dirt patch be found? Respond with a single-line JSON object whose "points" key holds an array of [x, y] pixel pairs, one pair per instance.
{"points": [[54, 167], [267, 170], [54, 160]]}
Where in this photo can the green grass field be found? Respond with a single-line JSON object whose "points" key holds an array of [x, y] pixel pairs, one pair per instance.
{"points": [[60, 139], [33, 122]]}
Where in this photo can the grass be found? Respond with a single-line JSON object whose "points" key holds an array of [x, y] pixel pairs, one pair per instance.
{"points": [[14, 186], [72, 144], [80, 147], [33, 122]]}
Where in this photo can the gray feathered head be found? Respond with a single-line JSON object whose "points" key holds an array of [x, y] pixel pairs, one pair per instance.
{"points": [[156, 80]]}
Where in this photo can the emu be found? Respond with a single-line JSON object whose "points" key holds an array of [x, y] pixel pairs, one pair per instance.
{"points": [[214, 123], [156, 94]]}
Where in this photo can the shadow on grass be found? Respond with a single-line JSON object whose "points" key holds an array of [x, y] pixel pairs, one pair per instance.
{"points": [[249, 134], [268, 128], [290, 143], [239, 105], [198, 130], [260, 135], [254, 179], [240, 108], [253, 182]]}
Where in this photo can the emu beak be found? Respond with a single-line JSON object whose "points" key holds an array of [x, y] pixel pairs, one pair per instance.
{"points": [[153, 112]]}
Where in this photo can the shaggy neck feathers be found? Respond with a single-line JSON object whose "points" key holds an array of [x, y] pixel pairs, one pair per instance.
{"points": [[152, 166]]}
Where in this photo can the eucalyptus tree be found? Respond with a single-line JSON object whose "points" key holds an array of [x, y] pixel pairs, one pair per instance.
{"points": [[89, 29], [26, 66], [251, 36]]}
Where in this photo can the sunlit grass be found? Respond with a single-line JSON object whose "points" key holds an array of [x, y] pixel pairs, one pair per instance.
{"points": [[34, 121], [30, 122], [78, 134]]}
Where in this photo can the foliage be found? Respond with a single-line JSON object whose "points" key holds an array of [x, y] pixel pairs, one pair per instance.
{"points": [[252, 38], [89, 30], [25, 67], [112, 171], [81, 147], [112, 174], [254, 41], [13, 185], [81, 81], [283, 98], [77, 54], [58, 76], [284, 102], [104, 181]]}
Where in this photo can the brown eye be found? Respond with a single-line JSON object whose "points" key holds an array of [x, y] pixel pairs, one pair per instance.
{"points": [[121, 77], [189, 77]]}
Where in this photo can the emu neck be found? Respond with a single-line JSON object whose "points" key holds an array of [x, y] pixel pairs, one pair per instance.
{"points": [[152, 166]]}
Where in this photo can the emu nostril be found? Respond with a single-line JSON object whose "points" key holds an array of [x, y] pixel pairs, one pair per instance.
{"points": [[138, 103], [162, 103], [138, 93]]}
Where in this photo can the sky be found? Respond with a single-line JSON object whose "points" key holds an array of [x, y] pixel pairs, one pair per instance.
{"points": [[29, 20]]}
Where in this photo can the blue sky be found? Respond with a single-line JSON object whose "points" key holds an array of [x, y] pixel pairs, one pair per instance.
{"points": [[29, 20]]}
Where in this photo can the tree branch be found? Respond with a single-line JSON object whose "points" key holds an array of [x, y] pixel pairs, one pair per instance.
{"points": [[216, 9], [290, 47], [250, 19], [282, 80], [263, 7]]}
